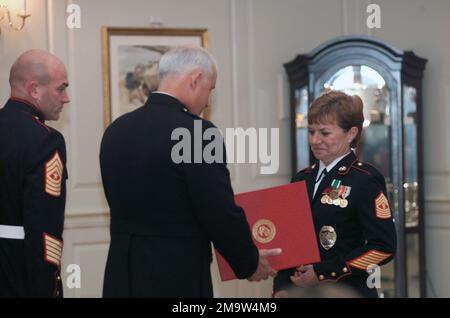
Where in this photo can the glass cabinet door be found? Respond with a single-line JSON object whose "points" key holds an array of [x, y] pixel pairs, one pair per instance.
{"points": [[410, 184], [301, 104], [410, 188], [412, 265]]}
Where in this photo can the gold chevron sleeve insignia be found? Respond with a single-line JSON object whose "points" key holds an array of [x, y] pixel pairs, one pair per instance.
{"points": [[54, 175], [53, 249], [372, 257], [382, 209]]}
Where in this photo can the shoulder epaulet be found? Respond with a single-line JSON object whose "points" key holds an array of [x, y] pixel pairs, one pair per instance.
{"points": [[365, 168], [370, 170], [308, 169], [36, 119], [359, 166], [301, 175]]}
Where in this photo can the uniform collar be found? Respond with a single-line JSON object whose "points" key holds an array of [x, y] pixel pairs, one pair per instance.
{"points": [[162, 98], [340, 168], [345, 164], [25, 106], [332, 164]]}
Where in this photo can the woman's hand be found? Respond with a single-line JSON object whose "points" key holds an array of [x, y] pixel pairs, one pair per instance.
{"points": [[305, 276]]}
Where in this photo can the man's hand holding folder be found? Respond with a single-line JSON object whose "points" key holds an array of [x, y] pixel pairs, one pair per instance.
{"points": [[264, 269]]}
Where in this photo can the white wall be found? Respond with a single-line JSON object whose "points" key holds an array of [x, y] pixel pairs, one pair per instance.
{"points": [[251, 39]]}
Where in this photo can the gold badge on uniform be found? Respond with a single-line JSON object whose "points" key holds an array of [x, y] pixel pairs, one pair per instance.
{"points": [[54, 175], [264, 231], [383, 211], [327, 237]]}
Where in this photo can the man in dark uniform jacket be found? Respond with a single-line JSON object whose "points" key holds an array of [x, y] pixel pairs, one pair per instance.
{"points": [[353, 235], [32, 178], [164, 215]]}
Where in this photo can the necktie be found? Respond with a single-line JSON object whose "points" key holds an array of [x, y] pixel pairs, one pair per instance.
{"points": [[322, 176]]}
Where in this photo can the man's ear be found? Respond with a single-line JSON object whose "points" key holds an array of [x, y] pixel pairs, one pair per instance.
{"points": [[33, 90], [195, 79]]}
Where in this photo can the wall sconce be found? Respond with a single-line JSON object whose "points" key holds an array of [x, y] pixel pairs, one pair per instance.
{"points": [[5, 14]]}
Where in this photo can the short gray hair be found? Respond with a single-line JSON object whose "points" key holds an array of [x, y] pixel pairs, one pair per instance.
{"points": [[183, 59]]}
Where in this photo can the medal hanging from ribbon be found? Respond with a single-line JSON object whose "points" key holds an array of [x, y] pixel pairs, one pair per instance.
{"points": [[336, 195]]}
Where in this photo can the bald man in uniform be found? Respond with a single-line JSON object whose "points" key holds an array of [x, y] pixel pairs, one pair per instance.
{"points": [[32, 178]]}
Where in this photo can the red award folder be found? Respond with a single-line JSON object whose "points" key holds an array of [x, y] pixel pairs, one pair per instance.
{"points": [[279, 217]]}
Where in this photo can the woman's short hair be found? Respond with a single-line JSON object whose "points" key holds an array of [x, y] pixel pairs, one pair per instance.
{"points": [[337, 107]]}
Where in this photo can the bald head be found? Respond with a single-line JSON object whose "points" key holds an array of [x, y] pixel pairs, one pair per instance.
{"points": [[40, 78], [33, 65]]}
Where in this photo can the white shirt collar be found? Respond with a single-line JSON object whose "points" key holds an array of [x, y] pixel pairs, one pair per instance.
{"points": [[159, 92], [331, 165]]}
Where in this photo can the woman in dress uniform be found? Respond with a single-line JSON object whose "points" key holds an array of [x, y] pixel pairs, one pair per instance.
{"points": [[352, 218]]}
